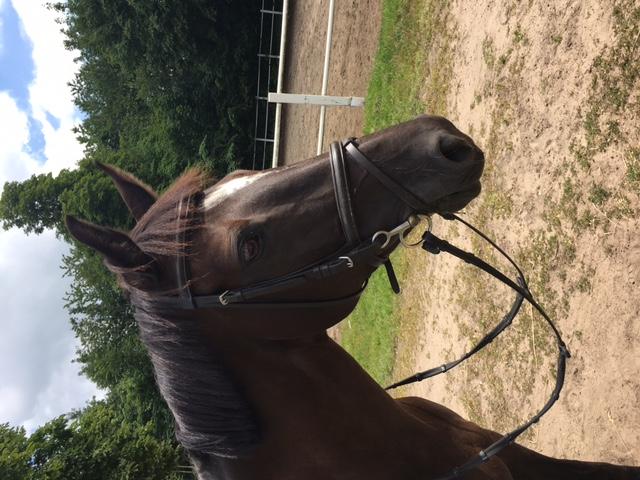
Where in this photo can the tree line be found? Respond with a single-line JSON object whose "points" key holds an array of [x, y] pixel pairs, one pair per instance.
{"points": [[163, 86]]}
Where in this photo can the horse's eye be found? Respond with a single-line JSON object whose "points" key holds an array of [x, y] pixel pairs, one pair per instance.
{"points": [[250, 248]]}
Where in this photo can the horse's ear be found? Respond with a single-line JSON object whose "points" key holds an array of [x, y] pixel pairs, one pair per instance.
{"points": [[116, 246], [138, 196]]}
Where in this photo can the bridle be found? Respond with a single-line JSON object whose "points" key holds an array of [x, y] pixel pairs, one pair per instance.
{"points": [[356, 252]]}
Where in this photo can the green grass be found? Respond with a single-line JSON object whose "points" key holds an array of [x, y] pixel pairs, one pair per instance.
{"points": [[489, 52], [413, 55], [369, 333], [616, 75], [633, 168], [598, 195], [556, 39], [519, 36]]}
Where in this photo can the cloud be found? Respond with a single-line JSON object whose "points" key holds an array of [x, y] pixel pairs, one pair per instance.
{"points": [[38, 381], [15, 163], [49, 93]]}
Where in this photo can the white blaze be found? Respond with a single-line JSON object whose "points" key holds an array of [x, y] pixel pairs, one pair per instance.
{"points": [[226, 189]]}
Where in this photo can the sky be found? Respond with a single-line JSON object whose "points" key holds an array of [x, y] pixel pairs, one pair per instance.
{"points": [[38, 380]]}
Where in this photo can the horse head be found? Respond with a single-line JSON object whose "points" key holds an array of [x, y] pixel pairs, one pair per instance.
{"points": [[268, 256], [252, 227]]}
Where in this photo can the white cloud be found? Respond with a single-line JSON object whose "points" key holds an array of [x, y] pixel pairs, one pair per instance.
{"points": [[15, 163], [63, 391], [37, 346], [12, 400], [37, 379], [49, 91]]}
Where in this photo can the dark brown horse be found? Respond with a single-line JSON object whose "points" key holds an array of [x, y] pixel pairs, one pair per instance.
{"points": [[257, 389]]}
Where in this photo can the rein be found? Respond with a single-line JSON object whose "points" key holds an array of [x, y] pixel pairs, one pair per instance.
{"points": [[435, 245], [370, 253]]}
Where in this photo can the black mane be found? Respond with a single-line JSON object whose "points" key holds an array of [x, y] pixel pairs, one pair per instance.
{"points": [[211, 415]]}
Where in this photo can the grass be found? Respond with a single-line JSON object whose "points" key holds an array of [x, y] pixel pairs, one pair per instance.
{"points": [[616, 75], [413, 49], [633, 168], [369, 333], [519, 36], [598, 195], [413, 56], [612, 99], [488, 52], [556, 39]]}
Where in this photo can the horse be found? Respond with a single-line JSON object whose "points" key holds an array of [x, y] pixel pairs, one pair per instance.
{"points": [[235, 283]]}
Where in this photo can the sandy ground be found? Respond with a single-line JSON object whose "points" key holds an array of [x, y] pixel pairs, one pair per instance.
{"points": [[521, 87], [523, 77], [355, 40]]}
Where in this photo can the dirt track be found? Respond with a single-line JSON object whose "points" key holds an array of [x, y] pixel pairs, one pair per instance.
{"points": [[541, 87], [523, 88], [355, 39]]}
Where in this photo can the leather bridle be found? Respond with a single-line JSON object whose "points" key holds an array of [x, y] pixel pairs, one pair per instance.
{"points": [[354, 252], [370, 252]]}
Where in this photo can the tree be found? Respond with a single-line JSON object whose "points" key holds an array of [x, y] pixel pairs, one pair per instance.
{"points": [[34, 205], [179, 64], [163, 85], [40, 202], [14, 455], [98, 442]]}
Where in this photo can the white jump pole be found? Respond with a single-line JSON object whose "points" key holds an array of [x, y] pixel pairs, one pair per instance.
{"points": [[283, 41], [321, 100], [325, 76]]}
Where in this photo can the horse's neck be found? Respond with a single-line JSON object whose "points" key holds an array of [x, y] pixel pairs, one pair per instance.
{"points": [[318, 409], [315, 377], [303, 380]]}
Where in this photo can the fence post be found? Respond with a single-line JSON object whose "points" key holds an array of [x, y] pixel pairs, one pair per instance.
{"points": [[325, 75], [283, 41]]}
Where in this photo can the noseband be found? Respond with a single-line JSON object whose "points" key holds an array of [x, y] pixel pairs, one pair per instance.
{"points": [[370, 252]]}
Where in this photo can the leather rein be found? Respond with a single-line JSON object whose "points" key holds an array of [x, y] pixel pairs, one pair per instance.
{"points": [[370, 252]]}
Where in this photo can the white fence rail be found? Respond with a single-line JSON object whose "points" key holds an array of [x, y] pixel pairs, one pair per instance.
{"points": [[323, 100]]}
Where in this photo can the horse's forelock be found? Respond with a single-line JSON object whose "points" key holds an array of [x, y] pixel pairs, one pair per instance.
{"points": [[212, 416]]}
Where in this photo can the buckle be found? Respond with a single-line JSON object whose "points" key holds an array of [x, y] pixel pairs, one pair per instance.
{"points": [[348, 259], [224, 297]]}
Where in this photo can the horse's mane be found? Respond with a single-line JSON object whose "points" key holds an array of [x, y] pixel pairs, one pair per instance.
{"points": [[211, 415]]}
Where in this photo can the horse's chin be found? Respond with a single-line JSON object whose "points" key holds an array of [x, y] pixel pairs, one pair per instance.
{"points": [[457, 201]]}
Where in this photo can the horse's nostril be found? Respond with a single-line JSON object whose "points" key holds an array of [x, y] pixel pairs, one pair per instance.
{"points": [[455, 148]]}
